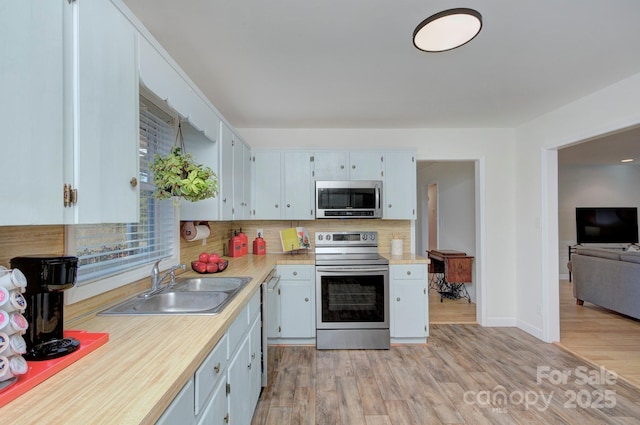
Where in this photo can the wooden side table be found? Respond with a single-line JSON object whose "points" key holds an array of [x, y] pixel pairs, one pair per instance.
{"points": [[451, 270]]}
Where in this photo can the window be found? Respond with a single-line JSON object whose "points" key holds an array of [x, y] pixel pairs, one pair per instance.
{"points": [[109, 250]]}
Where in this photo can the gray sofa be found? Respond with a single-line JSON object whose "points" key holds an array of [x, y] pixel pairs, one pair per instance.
{"points": [[608, 278]]}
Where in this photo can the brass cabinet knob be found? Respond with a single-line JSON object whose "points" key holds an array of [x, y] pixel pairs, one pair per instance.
{"points": [[133, 182]]}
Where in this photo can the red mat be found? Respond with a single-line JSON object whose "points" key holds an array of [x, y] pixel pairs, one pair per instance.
{"points": [[41, 370]]}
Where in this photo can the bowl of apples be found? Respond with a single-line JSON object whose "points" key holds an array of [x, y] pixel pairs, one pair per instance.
{"points": [[209, 263]]}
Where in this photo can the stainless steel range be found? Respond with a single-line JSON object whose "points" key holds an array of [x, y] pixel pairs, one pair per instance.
{"points": [[352, 291]]}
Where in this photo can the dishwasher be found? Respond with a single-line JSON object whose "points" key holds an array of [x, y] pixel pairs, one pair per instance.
{"points": [[270, 309]]}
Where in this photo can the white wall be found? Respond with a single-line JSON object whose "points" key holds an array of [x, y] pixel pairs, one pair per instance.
{"points": [[536, 239], [494, 149], [456, 207], [592, 186]]}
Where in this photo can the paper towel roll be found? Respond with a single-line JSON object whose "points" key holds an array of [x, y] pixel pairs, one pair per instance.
{"points": [[396, 246], [192, 232]]}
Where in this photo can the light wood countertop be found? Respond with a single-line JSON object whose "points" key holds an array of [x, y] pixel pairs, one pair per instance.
{"points": [[405, 258], [147, 360], [137, 373]]}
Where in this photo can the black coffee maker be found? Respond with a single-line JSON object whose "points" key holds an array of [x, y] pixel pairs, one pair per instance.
{"points": [[47, 278]]}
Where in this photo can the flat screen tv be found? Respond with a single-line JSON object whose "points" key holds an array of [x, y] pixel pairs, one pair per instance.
{"points": [[607, 225]]}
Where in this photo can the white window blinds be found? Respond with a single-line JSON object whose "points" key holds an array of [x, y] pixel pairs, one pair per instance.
{"points": [[108, 249]]}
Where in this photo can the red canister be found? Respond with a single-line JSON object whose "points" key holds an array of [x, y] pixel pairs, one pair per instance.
{"points": [[259, 246], [244, 240], [235, 246]]}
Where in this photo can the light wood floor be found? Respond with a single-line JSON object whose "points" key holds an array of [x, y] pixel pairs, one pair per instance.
{"points": [[450, 311], [459, 376], [603, 337]]}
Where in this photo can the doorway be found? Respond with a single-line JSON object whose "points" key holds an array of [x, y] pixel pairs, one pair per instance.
{"points": [[448, 192]]}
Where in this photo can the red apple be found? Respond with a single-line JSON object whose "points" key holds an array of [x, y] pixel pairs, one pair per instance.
{"points": [[222, 264], [213, 258], [212, 267], [199, 266], [203, 257]]}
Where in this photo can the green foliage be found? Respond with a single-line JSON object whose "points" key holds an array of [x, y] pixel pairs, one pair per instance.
{"points": [[177, 175]]}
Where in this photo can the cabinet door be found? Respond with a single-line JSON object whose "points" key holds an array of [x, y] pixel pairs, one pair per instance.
{"points": [[226, 173], [255, 373], [267, 185], [241, 177], [31, 111], [409, 303], [246, 182], [273, 312], [239, 381], [105, 153], [366, 165], [399, 188], [216, 412], [330, 165], [298, 186], [297, 313]]}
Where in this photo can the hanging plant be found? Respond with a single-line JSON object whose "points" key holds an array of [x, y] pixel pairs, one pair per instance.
{"points": [[177, 175]]}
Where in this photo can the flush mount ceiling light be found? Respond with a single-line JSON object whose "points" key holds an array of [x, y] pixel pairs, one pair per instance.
{"points": [[627, 160], [447, 30]]}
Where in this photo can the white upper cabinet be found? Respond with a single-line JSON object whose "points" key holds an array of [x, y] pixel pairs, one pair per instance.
{"points": [[330, 165], [226, 173], [105, 128], [298, 186], [347, 165], [282, 185], [365, 165], [69, 113], [31, 111], [234, 177], [399, 189], [267, 185], [241, 180]]}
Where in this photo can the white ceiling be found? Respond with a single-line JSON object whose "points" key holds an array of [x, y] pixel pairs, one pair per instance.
{"points": [[352, 64]]}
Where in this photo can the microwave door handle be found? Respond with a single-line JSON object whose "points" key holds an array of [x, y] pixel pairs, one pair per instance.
{"points": [[378, 197]]}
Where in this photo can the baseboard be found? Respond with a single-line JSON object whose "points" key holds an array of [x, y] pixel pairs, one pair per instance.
{"points": [[500, 322], [530, 329]]}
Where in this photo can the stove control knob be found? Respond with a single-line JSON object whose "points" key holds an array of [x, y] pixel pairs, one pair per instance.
{"points": [[373, 236], [329, 237], [320, 237], [364, 236]]}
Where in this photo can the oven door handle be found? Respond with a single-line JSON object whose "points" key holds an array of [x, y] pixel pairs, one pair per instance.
{"points": [[338, 269]]}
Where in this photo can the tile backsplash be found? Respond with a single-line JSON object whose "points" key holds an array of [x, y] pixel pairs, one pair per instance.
{"points": [[49, 240]]}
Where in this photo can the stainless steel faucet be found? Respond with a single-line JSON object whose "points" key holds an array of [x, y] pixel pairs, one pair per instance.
{"points": [[157, 279]]}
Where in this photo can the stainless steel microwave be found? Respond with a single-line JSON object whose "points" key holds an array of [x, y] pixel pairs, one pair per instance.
{"points": [[348, 199]]}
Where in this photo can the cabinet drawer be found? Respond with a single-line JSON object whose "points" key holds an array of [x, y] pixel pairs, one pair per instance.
{"points": [[409, 271], [295, 272], [209, 372]]}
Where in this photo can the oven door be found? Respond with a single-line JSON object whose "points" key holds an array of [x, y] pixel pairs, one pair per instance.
{"points": [[352, 297]]}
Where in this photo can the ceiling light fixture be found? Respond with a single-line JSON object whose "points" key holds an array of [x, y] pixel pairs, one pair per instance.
{"points": [[447, 30], [627, 160]]}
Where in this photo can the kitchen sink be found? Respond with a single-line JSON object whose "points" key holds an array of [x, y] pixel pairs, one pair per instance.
{"points": [[202, 295], [211, 283]]}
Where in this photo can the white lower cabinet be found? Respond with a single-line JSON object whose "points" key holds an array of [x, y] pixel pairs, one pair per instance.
{"points": [[216, 411], [226, 387], [297, 303], [180, 411], [409, 305]]}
